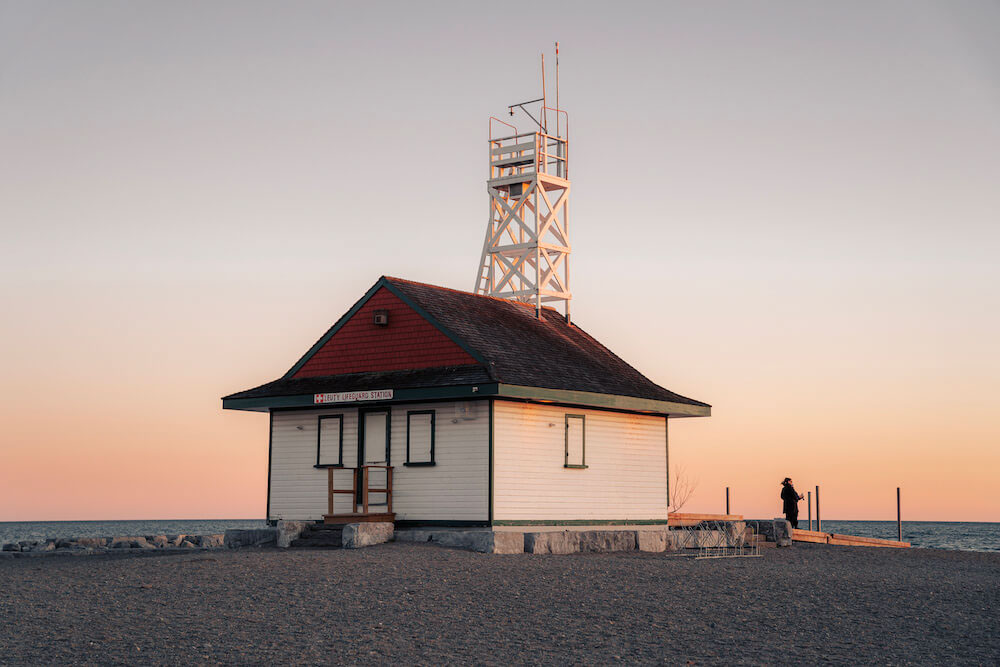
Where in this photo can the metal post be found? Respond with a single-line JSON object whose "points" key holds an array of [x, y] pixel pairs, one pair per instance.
{"points": [[899, 518], [819, 521], [809, 504], [727, 501]]}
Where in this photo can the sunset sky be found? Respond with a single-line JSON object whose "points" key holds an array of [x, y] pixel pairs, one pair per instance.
{"points": [[789, 210]]}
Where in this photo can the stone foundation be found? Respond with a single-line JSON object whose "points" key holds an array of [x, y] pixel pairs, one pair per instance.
{"points": [[357, 535]]}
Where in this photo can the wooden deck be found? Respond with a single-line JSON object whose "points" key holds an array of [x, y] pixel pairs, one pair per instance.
{"points": [[681, 519], [816, 537], [359, 517]]}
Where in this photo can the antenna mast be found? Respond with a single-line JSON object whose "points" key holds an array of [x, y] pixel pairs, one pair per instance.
{"points": [[526, 253]]}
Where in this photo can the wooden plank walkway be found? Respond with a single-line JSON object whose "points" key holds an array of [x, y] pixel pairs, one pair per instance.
{"points": [[688, 519], [816, 537]]}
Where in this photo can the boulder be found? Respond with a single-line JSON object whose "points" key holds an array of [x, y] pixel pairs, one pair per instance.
{"points": [[357, 535], [655, 540], [290, 530], [92, 542], [250, 537], [552, 542], [783, 532], [158, 541], [601, 541], [212, 541], [187, 544], [129, 543], [11, 546], [507, 542]]}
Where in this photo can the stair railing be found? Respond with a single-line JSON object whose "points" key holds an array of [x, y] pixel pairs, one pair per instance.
{"points": [[365, 489]]}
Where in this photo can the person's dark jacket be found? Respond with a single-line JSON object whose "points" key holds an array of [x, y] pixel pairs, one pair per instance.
{"points": [[790, 498]]}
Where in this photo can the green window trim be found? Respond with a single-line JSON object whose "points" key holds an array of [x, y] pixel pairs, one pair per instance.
{"points": [[409, 462], [583, 442], [319, 442]]}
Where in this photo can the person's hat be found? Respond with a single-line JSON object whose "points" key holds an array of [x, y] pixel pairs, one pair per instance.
{"points": [[786, 480]]}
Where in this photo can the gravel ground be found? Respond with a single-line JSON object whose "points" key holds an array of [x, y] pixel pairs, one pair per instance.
{"points": [[414, 603]]}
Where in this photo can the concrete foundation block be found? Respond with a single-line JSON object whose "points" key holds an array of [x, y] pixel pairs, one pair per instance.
{"points": [[602, 541], [357, 535], [655, 541], [414, 535], [552, 542], [505, 542]]}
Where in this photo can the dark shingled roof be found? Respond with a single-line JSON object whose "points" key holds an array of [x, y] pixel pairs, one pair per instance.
{"points": [[518, 348]]}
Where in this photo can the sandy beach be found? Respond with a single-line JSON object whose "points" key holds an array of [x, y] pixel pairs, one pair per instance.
{"points": [[424, 604]]}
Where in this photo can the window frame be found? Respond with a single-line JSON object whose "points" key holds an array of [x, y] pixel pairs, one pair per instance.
{"points": [[319, 441], [433, 461], [583, 442]]}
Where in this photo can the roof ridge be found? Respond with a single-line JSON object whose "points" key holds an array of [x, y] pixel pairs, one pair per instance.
{"points": [[462, 291]]}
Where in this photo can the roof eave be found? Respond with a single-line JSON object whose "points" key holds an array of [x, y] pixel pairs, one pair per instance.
{"points": [[514, 392], [604, 401]]}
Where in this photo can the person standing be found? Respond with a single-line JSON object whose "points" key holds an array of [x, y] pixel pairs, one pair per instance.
{"points": [[790, 501]]}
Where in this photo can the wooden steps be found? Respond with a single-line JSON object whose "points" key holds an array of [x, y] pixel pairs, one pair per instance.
{"points": [[817, 537], [320, 536]]}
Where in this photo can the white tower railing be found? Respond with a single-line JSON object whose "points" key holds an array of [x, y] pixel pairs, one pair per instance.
{"points": [[526, 252]]}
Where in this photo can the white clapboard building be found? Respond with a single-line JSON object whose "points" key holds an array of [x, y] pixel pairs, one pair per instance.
{"points": [[427, 405]]}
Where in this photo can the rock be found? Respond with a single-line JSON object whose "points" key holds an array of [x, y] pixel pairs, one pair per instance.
{"points": [[130, 543], [507, 542], [601, 541], [290, 530], [552, 542], [11, 546], [92, 542], [187, 544], [158, 541], [176, 540], [655, 541], [212, 541], [47, 545], [783, 532], [27, 545], [358, 535], [252, 537]]}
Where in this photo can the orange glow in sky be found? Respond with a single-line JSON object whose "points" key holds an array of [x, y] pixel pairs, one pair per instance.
{"points": [[787, 211]]}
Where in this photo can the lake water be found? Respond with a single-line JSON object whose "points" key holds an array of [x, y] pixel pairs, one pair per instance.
{"points": [[15, 531], [962, 536]]}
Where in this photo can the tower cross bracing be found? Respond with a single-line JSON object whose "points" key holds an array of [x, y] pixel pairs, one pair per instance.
{"points": [[526, 250]]}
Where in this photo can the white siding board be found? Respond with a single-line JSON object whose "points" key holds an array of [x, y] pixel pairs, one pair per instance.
{"points": [[456, 488], [626, 477]]}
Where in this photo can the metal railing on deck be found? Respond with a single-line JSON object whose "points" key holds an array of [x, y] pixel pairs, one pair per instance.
{"points": [[364, 474]]}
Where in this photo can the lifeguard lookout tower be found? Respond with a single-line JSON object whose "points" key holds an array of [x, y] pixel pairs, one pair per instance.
{"points": [[526, 252]]}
